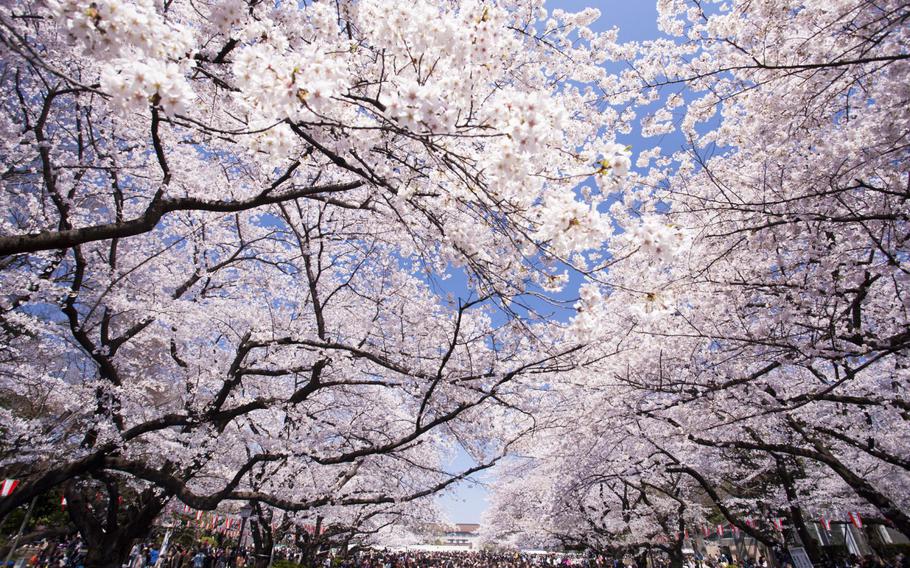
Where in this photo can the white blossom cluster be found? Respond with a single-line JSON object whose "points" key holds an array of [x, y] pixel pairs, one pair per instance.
{"points": [[657, 237], [135, 86], [279, 84], [227, 14], [145, 55], [112, 29]]}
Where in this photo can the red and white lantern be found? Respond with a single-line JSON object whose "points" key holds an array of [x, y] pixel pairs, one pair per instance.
{"points": [[7, 487]]}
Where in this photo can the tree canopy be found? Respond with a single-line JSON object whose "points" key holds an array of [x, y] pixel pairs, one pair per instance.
{"points": [[297, 254]]}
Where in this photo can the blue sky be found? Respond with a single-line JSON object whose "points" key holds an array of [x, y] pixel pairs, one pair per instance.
{"points": [[636, 20]]}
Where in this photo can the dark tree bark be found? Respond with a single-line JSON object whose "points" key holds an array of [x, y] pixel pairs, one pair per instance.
{"points": [[110, 522], [310, 544], [157, 208], [261, 531], [676, 554], [796, 514]]}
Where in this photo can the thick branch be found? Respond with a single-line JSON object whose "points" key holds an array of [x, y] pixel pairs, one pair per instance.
{"points": [[160, 206]]}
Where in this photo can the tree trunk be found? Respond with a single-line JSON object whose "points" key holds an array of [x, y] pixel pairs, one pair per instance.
{"points": [[261, 532], [676, 554], [111, 553], [796, 514], [109, 527], [641, 559]]}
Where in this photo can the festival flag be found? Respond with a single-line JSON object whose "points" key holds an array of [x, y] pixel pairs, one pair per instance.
{"points": [[856, 520], [8, 486], [720, 531], [735, 528], [778, 524], [826, 523], [198, 515], [706, 530]]}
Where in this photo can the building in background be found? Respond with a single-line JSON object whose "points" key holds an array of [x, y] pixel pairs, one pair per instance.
{"points": [[464, 535], [450, 537]]}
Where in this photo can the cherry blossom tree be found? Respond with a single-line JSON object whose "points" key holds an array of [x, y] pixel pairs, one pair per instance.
{"points": [[753, 317], [776, 298], [231, 227], [228, 233]]}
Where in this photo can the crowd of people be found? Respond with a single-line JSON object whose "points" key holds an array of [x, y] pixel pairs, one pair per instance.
{"points": [[179, 556], [464, 559], [461, 559], [70, 553]]}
